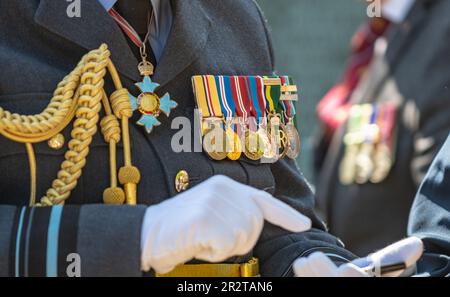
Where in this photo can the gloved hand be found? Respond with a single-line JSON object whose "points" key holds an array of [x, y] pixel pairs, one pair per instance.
{"points": [[381, 263], [213, 221]]}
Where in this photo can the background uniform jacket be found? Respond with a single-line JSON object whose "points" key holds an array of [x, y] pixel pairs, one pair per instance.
{"points": [[411, 69], [39, 45], [430, 216]]}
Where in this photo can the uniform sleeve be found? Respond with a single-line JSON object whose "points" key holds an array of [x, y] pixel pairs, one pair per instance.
{"points": [[95, 240], [278, 249], [430, 216]]}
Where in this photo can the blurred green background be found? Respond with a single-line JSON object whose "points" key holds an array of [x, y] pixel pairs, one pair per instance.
{"points": [[311, 39]]}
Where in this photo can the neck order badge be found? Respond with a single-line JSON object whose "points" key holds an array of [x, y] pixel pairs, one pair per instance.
{"points": [[255, 144], [149, 104]]}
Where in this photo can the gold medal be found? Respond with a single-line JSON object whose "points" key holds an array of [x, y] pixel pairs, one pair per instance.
{"points": [[294, 143], [271, 154]]}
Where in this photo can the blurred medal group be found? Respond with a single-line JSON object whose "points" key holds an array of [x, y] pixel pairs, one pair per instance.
{"points": [[251, 116]]}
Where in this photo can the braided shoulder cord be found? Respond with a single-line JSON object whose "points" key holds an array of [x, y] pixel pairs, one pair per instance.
{"points": [[80, 94]]}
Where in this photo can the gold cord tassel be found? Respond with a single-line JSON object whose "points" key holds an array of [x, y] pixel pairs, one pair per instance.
{"points": [[129, 175], [111, 132]]}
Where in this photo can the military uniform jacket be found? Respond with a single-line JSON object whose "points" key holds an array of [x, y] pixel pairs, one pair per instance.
{"points": [[39, 45], [430, 216], [411, 69]]}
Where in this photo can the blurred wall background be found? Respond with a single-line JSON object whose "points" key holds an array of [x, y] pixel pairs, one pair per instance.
{"points": [[311, 39]]}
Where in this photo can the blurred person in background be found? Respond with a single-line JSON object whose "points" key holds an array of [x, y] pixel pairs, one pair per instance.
{"points": [[384, 122]]}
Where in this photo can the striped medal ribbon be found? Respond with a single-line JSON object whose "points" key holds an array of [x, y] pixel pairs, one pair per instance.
{"points": [[228, 105], [214, 141], [277, 135], [148, 103]]}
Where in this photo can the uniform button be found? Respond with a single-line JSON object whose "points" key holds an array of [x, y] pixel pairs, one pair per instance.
{"points": [[182, 181], [56, 142]]}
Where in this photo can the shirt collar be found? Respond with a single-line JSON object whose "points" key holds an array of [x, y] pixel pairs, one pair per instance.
{"points": [[397, 10], [108, 4]]}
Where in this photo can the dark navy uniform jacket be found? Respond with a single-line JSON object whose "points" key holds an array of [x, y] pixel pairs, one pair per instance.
{"points": [[430, 216]]}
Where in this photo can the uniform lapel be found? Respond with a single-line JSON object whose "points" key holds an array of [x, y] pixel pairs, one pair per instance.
{"points": [[188, 36], [93, 28]]}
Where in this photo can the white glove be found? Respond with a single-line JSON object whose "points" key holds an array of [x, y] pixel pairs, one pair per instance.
{"points": [[213, 221], [407, 252]]}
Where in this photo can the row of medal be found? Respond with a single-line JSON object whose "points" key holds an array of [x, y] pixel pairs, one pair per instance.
{"points": [[247, 115], [369, 144]]}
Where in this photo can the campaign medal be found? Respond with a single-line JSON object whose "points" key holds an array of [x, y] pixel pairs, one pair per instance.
{"points": [[235, 146], [352, 140], [214, 140], [149, 104], [287, 99], [294, 141], [215, 143], [254, 143], [277, 134]]}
